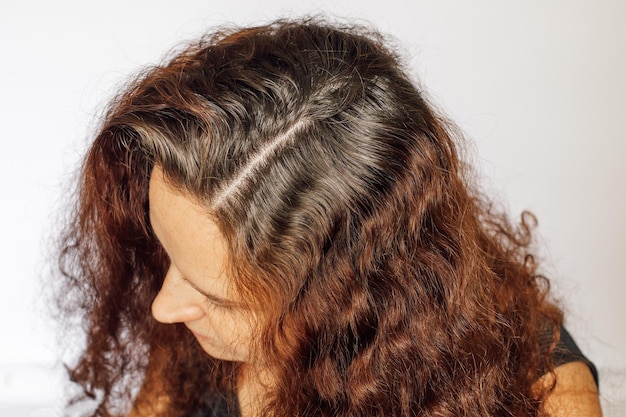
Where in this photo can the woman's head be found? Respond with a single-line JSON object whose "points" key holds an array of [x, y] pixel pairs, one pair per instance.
{"points": [[295, 174], [291, 138]]}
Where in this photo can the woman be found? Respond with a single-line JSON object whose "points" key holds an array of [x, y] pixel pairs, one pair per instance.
{"points": [[296, 217]]}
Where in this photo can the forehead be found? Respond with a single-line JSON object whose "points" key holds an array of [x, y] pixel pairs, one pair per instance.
{"points": [[185, 229], [170, 205]]}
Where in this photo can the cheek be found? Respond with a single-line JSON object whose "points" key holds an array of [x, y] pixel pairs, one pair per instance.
{"points": [[230, 332]]}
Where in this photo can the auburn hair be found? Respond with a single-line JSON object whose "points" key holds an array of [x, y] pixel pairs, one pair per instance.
{"points": [[388, 285]]}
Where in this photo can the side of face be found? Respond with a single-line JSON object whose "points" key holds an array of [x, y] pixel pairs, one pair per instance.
{"points": [[196, 290]]}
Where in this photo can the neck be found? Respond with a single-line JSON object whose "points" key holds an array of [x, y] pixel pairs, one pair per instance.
{"points": [[252, 386]]}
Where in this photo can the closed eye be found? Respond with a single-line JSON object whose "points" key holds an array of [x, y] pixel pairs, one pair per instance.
{"points": [[215, 301]]}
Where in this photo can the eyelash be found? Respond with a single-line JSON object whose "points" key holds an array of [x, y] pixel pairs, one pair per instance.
{"points": [[210, 301], [214, 303]]}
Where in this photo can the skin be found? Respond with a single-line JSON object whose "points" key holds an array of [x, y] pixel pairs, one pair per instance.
{"points": [[196, 292], [575, 393]]}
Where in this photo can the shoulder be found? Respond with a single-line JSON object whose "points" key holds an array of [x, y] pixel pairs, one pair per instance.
{"points": [[575, 392], [574, 380]]}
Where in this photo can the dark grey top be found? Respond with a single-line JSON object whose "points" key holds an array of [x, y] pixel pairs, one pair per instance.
{"points": [[566, 351]]}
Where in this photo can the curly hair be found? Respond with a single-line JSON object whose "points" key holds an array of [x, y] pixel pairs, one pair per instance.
{"points": [[388, 284]]}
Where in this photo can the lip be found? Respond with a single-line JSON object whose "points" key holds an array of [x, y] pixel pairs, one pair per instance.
{"points": [[198, 336]]}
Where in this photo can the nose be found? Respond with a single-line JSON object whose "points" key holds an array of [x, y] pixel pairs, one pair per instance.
{"points": [[176, 302]]}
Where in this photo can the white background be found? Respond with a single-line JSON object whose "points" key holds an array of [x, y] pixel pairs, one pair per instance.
{"points": [[538, 86]]}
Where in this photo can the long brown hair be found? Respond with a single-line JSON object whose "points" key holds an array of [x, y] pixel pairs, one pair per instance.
{"points": [[388, 286]]}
